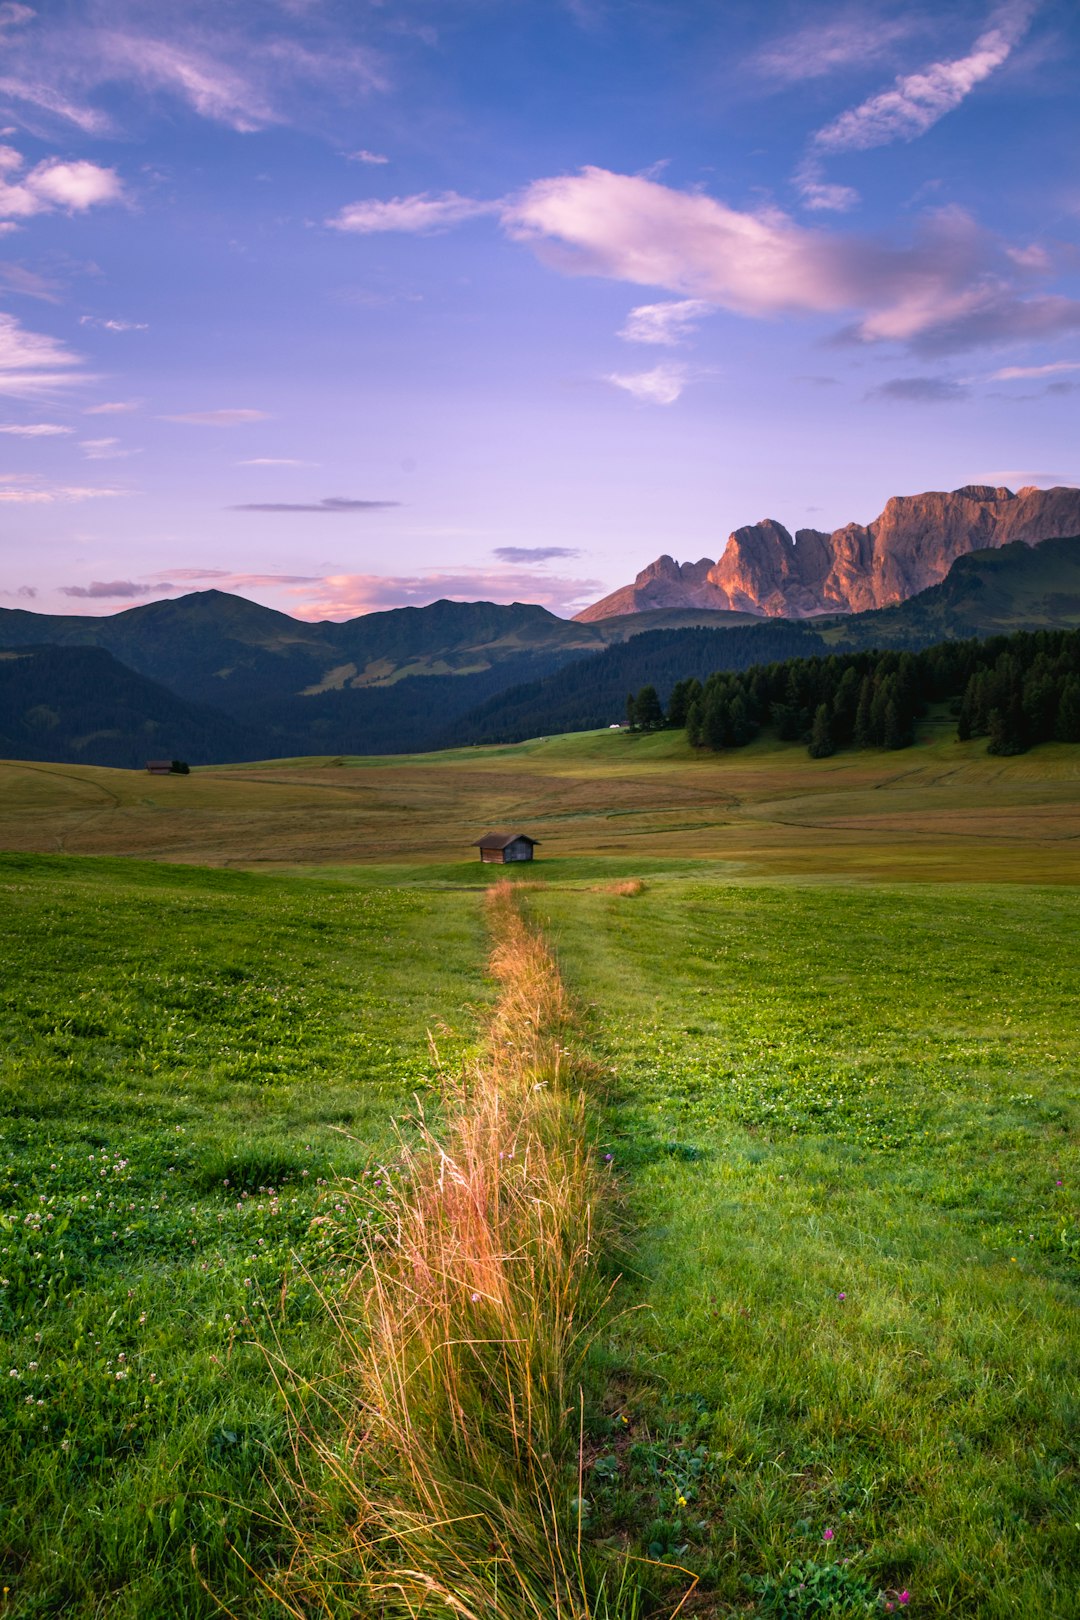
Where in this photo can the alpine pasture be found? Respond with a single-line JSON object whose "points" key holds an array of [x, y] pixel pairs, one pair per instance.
{"points": [[833, 1029]]}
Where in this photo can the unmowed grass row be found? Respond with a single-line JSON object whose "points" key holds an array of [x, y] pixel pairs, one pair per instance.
{"points": [[448, 1477]]}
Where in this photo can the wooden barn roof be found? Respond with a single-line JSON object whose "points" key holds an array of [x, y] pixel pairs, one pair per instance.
{"points": [[495, 840]]}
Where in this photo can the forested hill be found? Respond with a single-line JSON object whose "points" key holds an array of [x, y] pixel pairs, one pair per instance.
{"points": [[1014, 690], [592, 691], [82, 704]]}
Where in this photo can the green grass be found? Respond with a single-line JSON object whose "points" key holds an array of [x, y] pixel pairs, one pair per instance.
{"points": [[192, 1063], [847, 1128], [845, 1120]]}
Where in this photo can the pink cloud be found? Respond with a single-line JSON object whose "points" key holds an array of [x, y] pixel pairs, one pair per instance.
{"points": [[950, 289], [345, 596]]}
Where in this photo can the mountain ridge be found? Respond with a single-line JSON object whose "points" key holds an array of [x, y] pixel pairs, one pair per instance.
{"points": [[858, 568]]}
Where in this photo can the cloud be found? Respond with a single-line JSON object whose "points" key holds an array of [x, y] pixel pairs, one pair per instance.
{"points": [[667, 323], [329, 503], [12, 14], [112, 407], [1017, 480], [225, 577], [211, 63], [948, 289], [48, 99], [275, 461], [533, 554], [17, 278], [53, 184], [1008, 373], [113, 325], [850, 41], [345, 596], [914, 104], [104, 589], [660, 386], [105, 450], [919, 390], [366, 157], [32, 362], [228, 418], [917, 101], [33, 430], [418, 214], [32, 494]]}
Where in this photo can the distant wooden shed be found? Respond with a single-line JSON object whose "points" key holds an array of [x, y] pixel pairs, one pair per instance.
{"points": [[502, 847], [159, 767]]}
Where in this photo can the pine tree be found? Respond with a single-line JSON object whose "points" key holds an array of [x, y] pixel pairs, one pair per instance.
{"points": [[821, 736], [864, 727], [631, 711], [648, 710], [1067, 723]]}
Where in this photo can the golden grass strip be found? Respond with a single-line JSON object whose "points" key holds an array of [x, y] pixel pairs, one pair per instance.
{"points": [[449, 1487]]}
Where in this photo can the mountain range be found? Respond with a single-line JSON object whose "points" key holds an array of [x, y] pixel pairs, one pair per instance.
{"points": [[214, 677], [855, 569]]}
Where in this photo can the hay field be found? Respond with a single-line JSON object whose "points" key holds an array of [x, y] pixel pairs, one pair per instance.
{"points": [[942, 811]]}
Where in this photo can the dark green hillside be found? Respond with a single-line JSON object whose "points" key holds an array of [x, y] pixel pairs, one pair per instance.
{"points": [[592, 691], [80, 704], [1016, 587], [225, 650]]}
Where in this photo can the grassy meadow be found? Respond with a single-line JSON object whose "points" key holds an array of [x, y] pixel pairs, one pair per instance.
{"points": [[839, 1021]]}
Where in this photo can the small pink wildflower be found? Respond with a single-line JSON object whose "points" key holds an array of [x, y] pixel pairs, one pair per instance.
{"points": [[828, 1536], [903, 1597], [841, 1296]]}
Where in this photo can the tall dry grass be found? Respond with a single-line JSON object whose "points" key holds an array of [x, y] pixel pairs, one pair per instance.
{"points": [[452, 1483]]}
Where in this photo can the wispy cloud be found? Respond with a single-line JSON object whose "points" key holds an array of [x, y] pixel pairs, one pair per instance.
{"points": [[329, 504], [917, 101], [668, 323], [661, 386], [364, 156], [200, 56], [910, 107], [113, 325], [105, 450], [1016, 480], [33, 430], [34, 363], [112, 407], [419, 214], [275, 461], [852, 40], [227, 578], [533, 554], [35, 494], [919, 390], [225, 419], [1009, 373]]}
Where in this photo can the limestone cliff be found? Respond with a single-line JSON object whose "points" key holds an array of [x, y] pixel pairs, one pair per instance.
{"points": [[910, 547]]}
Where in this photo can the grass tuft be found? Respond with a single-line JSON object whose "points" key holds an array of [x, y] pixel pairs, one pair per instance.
{"points": [[451, 1478]]}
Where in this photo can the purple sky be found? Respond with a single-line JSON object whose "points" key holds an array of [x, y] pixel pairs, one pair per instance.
{"points": [[346, 305]]}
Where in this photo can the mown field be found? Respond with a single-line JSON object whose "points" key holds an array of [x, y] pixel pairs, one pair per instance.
{"points": [[843, 1114], [942, 811]]}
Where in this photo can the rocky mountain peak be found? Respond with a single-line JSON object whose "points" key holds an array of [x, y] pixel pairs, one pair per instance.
{"points": [[910, 546]]}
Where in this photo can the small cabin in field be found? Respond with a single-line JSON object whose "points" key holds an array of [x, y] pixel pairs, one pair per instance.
{"points": [[500, 848], [167, 767]]}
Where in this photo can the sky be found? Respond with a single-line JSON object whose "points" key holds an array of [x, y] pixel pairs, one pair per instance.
{"points": [[346, 305]]}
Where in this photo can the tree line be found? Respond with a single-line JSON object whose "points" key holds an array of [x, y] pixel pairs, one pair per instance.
{"points": [[1015, 690]]}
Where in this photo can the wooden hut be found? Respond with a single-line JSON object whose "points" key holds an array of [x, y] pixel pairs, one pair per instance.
{"points": [[500, 848]]}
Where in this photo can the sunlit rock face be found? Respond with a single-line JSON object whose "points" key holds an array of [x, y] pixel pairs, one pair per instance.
{"points": [[910, 547]]}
